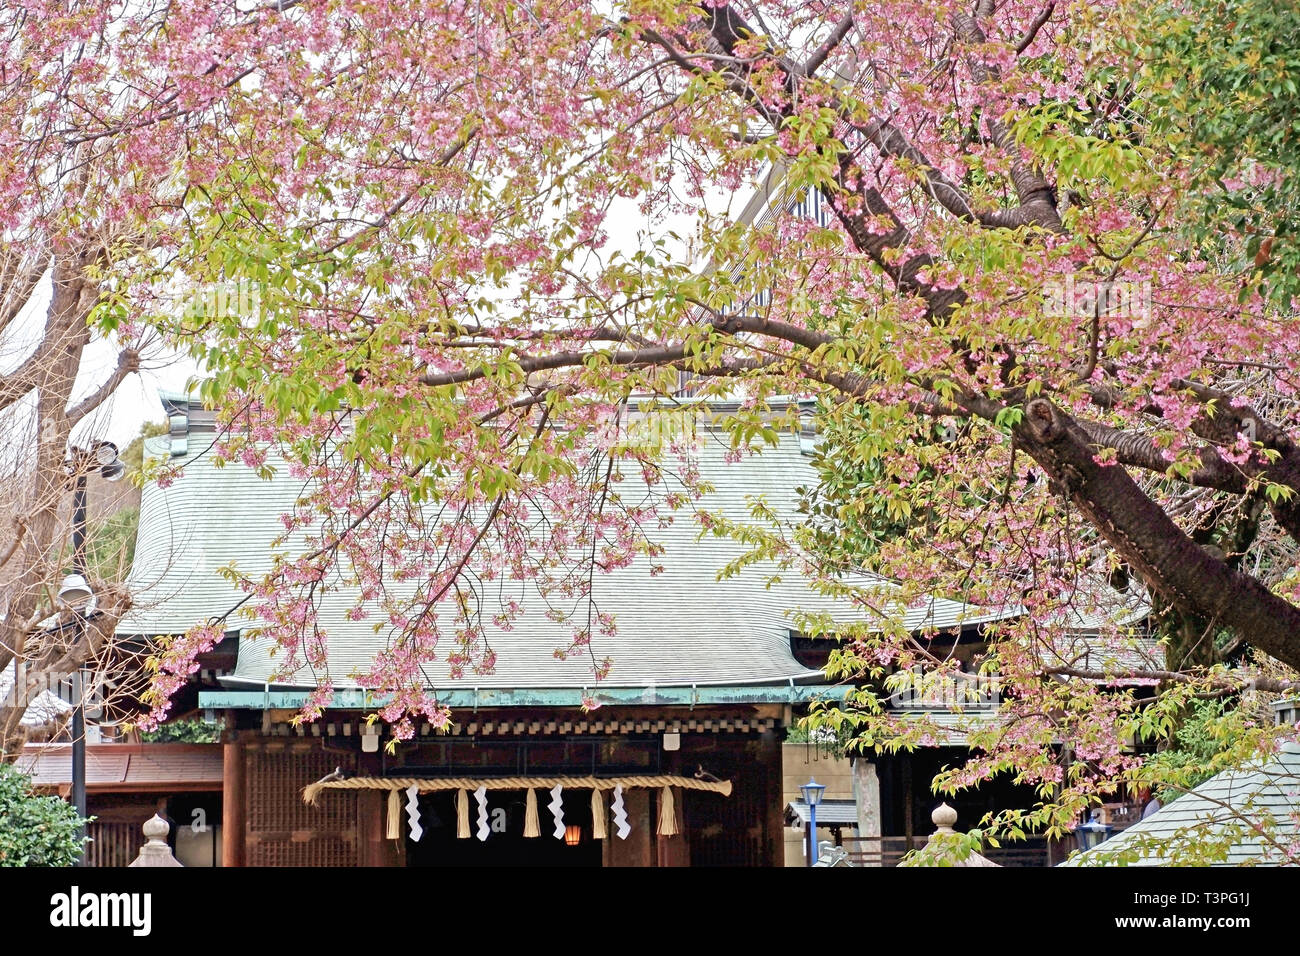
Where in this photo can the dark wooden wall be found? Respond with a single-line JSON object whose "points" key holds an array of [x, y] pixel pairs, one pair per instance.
{"points": [[278, 828], [266, 822]]}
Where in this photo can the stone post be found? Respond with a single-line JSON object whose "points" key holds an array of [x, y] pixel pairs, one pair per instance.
{"points": [[866, 791], [155, 852]]}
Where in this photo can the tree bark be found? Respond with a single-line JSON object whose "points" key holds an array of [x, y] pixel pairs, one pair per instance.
{"points": [[1141, 533]]}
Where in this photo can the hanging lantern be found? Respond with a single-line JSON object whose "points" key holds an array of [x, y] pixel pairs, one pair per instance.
{"points": [[572, 835]]}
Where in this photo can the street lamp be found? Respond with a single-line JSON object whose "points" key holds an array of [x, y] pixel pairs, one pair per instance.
{"points": [[76, 592], [1093, 833], [111, 468], [812, 795]]}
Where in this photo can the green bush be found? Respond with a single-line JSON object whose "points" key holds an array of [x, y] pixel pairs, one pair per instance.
{"points": [[1202, 741], [193, 731], [35, 830]]}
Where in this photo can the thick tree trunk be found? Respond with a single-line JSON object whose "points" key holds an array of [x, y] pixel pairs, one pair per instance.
{"points": [[54, 372], [1146, 537]]}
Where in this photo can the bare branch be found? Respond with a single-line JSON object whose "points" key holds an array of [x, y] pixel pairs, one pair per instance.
{"points": [[128, 361]]}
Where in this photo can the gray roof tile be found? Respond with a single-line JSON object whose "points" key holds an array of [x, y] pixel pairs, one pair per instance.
{"points": [[677, 628], [1252, 812]]}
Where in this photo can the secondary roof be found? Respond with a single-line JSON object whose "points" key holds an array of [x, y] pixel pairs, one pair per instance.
{"points": [[1249, 817]]}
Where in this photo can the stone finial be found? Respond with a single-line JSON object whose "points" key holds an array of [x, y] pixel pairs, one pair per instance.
{"points": [[944, 818], [938, 850], [155, 851]]}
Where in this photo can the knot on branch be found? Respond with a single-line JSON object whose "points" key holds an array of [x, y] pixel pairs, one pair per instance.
{"points": [[727, 324], [1042, 422]]}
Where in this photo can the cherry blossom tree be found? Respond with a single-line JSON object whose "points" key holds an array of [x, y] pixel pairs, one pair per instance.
{"points": [[473, 233], [54, 249]]}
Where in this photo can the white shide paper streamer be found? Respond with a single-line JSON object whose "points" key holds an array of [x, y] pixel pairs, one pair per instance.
{"points": [[413, 812], [621, 825], [556, 806], [481, 796]]}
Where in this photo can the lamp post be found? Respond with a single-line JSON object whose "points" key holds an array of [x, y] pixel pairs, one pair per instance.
{"points": [[76, 591], [812, 795]]}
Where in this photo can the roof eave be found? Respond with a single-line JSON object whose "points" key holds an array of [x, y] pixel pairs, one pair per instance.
{"points": [[484, 697]]}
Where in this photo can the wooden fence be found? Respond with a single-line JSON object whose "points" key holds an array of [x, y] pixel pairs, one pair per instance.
{"points": [[113, 844], [890, 850]]}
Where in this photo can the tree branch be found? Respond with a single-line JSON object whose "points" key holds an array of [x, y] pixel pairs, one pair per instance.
{"points": [[1146, 537], [818, 57], [128, 361], [1032, 33]]}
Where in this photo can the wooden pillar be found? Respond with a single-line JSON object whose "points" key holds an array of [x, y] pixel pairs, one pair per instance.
{"points": [[866, 790], [373, 846], [674, 850], [639, 847], [234, 793], [909, 798], [773, 800], [372, 830]]}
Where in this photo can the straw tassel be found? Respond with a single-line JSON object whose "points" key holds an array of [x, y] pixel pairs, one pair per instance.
{"points": [[667, 813], [531, 826], [598, 828], [462, 814], [394, 815]]}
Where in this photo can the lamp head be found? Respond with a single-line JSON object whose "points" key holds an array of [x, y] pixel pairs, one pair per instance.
{"points": [[812, 792], [105, 452], [75, 590]]}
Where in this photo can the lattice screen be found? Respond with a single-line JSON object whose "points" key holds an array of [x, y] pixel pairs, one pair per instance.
{"points": [[728, 831], [113, 844], [284, 831]]}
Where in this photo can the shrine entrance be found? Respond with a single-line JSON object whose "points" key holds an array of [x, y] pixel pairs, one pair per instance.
{"points": [[505, 844]]}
